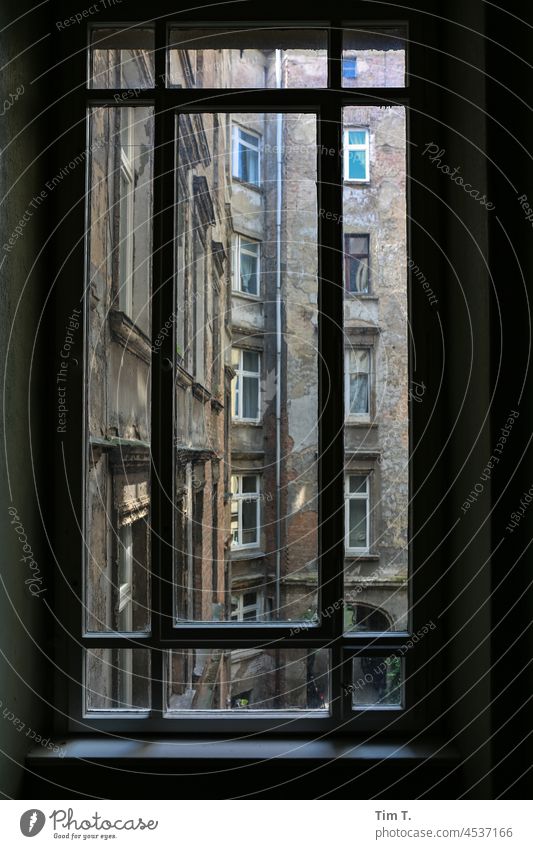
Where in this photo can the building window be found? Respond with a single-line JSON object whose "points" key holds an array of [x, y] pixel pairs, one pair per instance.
{"points": [[357, 514], [356, 263], [349, 68], [245, 505], [246, 385], [356, 155], [246, 267], [246, 156], [245, 606], [357, 378]]}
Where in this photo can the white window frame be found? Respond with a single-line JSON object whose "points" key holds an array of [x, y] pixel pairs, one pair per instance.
{"points": [[241, 373], [238, 249], [238, 614], [348, 147], [125, 248], [237, 140], [125, 575], [350, 415], [240, 497], [356, 496]]}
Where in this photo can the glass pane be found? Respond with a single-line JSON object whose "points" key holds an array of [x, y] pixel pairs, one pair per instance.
{"points": [[249, 282], [358, 244], [250, 58], [359, 361], [249, 483], [357, 523], [121, 58], [250, 397], [356, 137], [376, 585], [249, 521], [256, 413], [357, 164], [377, 681], [117, 679], [358, 483], [250, 361], [248, 164], [117, 582], [248, 680], [374, 57]]}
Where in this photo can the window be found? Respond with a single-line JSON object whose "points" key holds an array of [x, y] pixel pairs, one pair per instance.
{"points": [[246, 269], [245, 511], [349, 68], [246, 385], [357, 374], [245, 605], [357, 514], [259, 529], [246, 159], [356, 264], [356, 155]]}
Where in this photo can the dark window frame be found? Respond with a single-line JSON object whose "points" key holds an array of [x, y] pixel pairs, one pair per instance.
{"points": [[327, 104]]}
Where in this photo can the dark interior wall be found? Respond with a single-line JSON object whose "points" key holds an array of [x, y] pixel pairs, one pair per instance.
{"points": [[462, 143], [23, 641], [511, 256], [485, 698]]}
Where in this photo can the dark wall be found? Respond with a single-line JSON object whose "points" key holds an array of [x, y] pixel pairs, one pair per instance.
{"points": [[24, 635], [482, 268]]}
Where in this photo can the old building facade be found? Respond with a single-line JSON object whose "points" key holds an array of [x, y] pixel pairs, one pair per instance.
{"points": [[246, 400]]}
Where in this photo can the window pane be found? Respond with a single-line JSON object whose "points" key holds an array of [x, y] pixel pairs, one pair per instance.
{"points": [[374, 217], [118, 370], [117, 679], [249, 522], [121, 58], [248, 164], [250, 397], [251, 58], [356, 137], [357, 523], [249, 483], [357, 164], [249, 281], [358, 483], [248, 433], [377, 681], [248, 679], [357, 244], [374, 57], [250, 361]]}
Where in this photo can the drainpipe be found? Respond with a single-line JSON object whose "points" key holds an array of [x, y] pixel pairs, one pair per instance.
{"points": [[279, 199]]}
